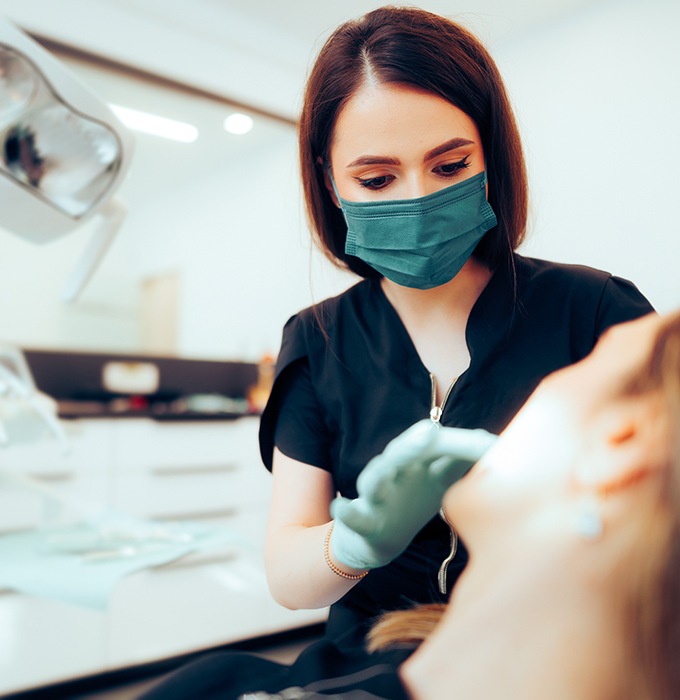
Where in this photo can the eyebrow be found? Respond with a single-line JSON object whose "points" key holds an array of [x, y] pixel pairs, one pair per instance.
{"points": [[450, 145], [374, 160]]}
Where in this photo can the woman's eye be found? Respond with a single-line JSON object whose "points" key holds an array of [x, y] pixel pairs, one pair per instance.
{"points": [[451, 169], [375, 183]]}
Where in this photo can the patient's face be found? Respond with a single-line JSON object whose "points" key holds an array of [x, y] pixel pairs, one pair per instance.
{"points": [[535, 459]]}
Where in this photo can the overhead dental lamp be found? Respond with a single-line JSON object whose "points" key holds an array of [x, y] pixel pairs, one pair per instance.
{"points": [[63, 154]]}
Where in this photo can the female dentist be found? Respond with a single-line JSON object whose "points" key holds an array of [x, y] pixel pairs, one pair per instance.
{"points": [[414, 179]]}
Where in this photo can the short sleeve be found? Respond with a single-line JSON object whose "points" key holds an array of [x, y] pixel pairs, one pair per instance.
{"points": [[293, 419], [300, 431], [621, 301]]}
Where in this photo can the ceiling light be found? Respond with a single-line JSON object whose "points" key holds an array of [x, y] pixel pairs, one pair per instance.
{"points": [[238, 123], [155, 125]]}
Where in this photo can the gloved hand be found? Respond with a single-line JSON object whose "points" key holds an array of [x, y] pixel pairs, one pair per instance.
{"points": [[400, 490]]}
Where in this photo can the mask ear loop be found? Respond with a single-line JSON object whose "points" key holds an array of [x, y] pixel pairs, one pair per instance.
{"points": [[351, 240], [328, 169]]}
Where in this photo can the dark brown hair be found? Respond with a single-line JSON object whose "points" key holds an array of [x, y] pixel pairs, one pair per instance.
{"points": [[410, 46]]}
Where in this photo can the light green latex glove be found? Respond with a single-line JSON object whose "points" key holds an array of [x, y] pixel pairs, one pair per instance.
{"points": [[400, 490]]}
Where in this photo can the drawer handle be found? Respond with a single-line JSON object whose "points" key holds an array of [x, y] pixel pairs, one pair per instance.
{"points": [[53, 477], [16, 531], [198, 515], [194, 561], [200, 469]]}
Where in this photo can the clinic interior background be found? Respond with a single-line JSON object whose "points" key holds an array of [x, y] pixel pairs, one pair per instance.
{"points": [[214, 254]]}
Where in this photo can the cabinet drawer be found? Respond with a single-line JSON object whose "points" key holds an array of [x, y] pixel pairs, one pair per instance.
{"points": [[90, 450], [23, 509], [249, 527], [145, 444], [192, 493]]}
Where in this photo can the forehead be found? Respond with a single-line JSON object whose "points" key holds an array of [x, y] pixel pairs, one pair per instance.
{"points": [[386, 119], [630, 343], [622, 351]]}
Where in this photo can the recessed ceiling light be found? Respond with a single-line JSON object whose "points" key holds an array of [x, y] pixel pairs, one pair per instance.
{"points": [[155, 125], [238, 123]]}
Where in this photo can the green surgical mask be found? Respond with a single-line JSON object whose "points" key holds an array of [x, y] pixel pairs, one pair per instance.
{"points": [[422, 242]]}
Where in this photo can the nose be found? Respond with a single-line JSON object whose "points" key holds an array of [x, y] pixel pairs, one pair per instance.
{"points": [[416, 185]]}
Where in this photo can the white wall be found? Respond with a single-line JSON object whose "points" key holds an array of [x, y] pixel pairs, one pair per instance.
{"points": [[239, 237], [598, 99], [32, 313]]}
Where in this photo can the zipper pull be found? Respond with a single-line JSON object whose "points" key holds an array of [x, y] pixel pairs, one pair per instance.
{"points": [[435, 411], [443, 569]]}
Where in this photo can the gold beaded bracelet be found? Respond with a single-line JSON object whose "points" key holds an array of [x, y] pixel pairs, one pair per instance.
{"points": [[331, 565]]}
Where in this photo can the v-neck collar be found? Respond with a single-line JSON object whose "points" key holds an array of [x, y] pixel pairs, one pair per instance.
{"points": [[491, 308]]}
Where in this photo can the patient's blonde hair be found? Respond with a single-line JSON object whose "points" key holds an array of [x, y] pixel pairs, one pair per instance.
{"points": [[654, 611], [404, 626]]}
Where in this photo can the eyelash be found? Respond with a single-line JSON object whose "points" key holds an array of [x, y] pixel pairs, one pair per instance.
{"points": [[379, 183], [456, 167], [375, 183]]}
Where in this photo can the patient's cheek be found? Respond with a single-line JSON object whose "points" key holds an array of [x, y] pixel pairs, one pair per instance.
{"points": [[532, 457], [545, 435], [467, 498]]}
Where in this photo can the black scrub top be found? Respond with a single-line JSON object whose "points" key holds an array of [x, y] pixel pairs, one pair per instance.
{"points": [[349, 380]]}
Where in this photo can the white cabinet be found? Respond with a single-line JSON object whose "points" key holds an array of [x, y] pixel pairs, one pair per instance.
{"points": [[194, 470], [83, 475], [208, 471]]}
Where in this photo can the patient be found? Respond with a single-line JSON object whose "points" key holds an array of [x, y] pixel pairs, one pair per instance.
{"points": [[587, 479]]}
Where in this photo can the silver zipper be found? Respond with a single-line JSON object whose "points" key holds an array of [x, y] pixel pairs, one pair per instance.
{"points": [[443, 569], [436, 411], [435, 416]]}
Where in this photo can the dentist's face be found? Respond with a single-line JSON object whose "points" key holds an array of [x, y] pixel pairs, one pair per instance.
{"points": [[393, 141], [557, 433]]}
